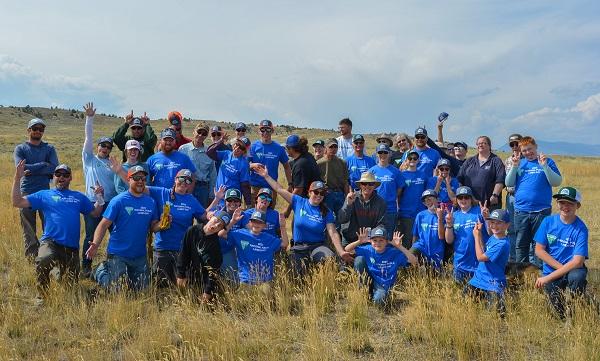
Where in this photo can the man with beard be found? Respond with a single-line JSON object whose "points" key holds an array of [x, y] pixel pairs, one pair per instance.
{"points": [[428, 157], [165, 164], [140, 131], [40, 159], [60, 241]]}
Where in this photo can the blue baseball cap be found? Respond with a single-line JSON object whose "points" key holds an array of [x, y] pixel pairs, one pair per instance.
{"points": [[443, 162], [464, 191], [240, 126], [499, 215], [292, 141], [378, 231], [168, 133], [383, 148], [223, 217], [443, 116], [428, 193], [233, 193], [358, 138], [421, 131], [105, 140], [259, 216]]}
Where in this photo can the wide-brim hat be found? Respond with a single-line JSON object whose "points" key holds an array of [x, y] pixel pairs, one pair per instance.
{"points": [[368, 177]]}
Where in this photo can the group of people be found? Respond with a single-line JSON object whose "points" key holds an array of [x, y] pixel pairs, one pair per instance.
{"points": [[207, 211]]}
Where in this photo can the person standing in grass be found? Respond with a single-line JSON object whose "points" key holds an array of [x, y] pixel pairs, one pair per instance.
{"points": [[562, 245], [459, 233], [359, 162], [428, 231], [334, 172], [382, 258], [345, 140], [305, 170], [263, 203], [165, 164], [40, 161], [206, 173], [489, 280], [141, 130], [410, 202], [131, 214], [319, 148], [533, 177], [59, 243], [133, 150]]}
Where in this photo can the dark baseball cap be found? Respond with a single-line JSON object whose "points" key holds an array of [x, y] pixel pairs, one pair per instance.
{"points": [[421, 131], [428, 193], [569, 194], [316, 185], [464, 191], [168, 133], [239, 126], [216, 128], [245, 141], [64, 167], [292, 141], [105, 140], [383, 148], [378, 231], [443, 162], [233, 193], [265, 123], [320, 142], [136, 169], [223, 217], [259, 216], [499, 215], [358, 138], [136, 122]]}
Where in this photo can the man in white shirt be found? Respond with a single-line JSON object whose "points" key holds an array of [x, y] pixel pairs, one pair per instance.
{"points": [[345, 146]]}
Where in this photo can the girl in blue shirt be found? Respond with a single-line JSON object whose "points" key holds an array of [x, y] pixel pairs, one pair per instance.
{"points": [[444, 184], [311, 220], [410, 202], [234, 171]]}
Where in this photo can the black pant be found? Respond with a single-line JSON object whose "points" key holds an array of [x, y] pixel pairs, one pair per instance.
{"points": [[164, 265], [52, 254]]}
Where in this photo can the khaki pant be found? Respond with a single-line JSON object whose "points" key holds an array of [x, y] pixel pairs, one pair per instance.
{"points": [[254, 193], [50, 255]]}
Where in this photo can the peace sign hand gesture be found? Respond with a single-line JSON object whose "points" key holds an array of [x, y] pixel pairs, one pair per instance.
{"points": [[485, 211]]}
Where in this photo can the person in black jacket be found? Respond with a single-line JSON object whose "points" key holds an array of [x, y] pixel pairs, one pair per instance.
{"points": [[199, 261]]}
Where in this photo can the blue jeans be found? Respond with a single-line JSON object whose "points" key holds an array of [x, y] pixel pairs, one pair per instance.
{"points": [[335, 201], [378, 293], [574, 282], [135, 271], [201, 191], [389, 222], [510, 207], [91, 223], [526, 224], [229, 267]]}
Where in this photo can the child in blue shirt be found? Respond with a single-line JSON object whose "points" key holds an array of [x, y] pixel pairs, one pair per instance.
{"points": [[381, 261], [428, 231], [562, 244], [489, 279], [443, 183], [410, 201]]}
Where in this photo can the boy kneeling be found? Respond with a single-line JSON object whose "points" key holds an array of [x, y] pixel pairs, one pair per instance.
{"points": [[380, 261]]}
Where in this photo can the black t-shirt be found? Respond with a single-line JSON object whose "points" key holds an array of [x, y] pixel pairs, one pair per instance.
{"points": [[482, 177], [200, 258], [304, 172]]}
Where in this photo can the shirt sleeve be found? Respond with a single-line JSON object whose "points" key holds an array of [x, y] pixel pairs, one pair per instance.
{"points": [[283, 157], [500, 170], [361, 251], [329, 217], [494, 252], [85, 205], [112, 211], [36, 200], [581, 243]]}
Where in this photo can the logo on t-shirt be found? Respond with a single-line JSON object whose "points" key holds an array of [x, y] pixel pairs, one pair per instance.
{"points": [[129, 210], [372, 260], [551, 238], [56, 198], [244, 244]]}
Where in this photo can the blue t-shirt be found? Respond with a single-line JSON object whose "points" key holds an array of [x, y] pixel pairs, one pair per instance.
{"points": [[131, 218], [489, 275], [443, 193], [225, 245], [270, 155], [272, 220], [562, 241], [382, 267], [61, 214], [428, 159], [425, 228], [391, 180], [533, 192], [465, 259], [309, 222], [357, 166], [410, 202], [163, 168], [120, 185], [233, 170], [255, 255], [184, 208]]}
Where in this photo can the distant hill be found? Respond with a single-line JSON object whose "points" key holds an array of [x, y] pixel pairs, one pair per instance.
{"points": [[564, 148]]}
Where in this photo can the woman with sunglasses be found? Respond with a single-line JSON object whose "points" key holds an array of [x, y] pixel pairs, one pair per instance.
{"points": [[133, 150], [234, 171], [311, 220], [264, 204], [410, 201], [444, 184], [269, 153]]}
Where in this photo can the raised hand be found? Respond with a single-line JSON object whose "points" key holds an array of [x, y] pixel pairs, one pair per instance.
{"points": [[477, 230], [350, 197], [129, 117], [261, 170], [90, 111], [450, 216], [516, 158], [542, 159], [397, 239], [98, 189], [225, 138], [114, 163], [145, 119], [439, 211], [485, 211], [363, 235], [220, 193], [237, 216], [20, 169]]}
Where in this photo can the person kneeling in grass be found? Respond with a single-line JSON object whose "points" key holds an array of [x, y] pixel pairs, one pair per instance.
{"points": [[562, 244], [428, 231], [381, 261], [255, 249], [489, 280]]}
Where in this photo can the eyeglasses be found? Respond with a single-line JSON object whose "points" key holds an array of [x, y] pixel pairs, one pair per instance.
{"points": [[482, 143], [265, 197], [457, 148], [62, 174], [38, 129], [368, 184], [412, 158], [186, 180], [138, 178], [420, 136], [202, 132], [215, 134], [443, 169], [266, 130], [105, 145], [513, 144], [320, 193]]}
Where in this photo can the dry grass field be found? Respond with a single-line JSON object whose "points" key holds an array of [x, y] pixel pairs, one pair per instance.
{"points": [[326, 317]]}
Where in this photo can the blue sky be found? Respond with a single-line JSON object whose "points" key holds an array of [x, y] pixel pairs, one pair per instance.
{"points": [[496, 66]]}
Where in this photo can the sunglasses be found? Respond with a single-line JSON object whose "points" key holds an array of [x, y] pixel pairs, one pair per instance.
{"points": [[265, 197], [382, 152], [359, 142], [202, 132], [137, 127], [320, 193], [513, 144], [233, 200], [38, 129], [186, 180], [215, 134], [444, 168], [240, 130], [266, 130], [420, 136], [368, 184], [138, 178], [413, 158], [105, 145], [62, 174], [333, 146], [463, 197]]}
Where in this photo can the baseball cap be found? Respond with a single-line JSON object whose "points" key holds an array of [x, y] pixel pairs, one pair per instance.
{"points": [[461, 144], [266, 191], [383, 148], [136, 169], [358, 137], [499, 215], [167, 133], [428, 193], [184, 173], [245, 141], [443, 162], [105, 140], [292, 141], [35, 121], [216, 128], [331, 141], [240, 126], [464, 191], [202, 126], [136, 122], [569, 194], [384, 138], [316, 185], [413, 151], [64, 167], [233, 193], [443, 116], [421, 131], [320, 142], [223, 217], [378, 231], [266, 123], [175, 117], [133, 144], [514, 138], [259, 216]]}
